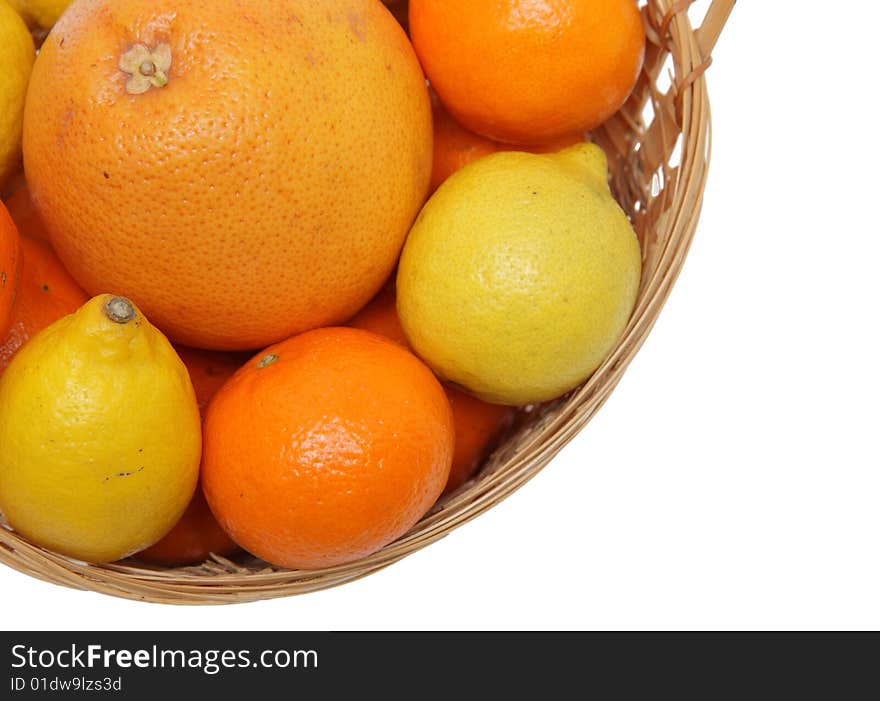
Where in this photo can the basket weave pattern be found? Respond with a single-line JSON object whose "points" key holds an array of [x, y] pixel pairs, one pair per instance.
{"points": [[658, 151]]}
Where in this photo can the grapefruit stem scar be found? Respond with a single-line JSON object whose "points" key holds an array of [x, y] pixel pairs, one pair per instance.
{"points": [[146, 67], [119, 310]]}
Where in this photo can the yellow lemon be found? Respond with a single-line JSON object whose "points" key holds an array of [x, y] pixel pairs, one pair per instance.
{"points": [[100, 434], [40, 13], [16, 61], [520, 274]]}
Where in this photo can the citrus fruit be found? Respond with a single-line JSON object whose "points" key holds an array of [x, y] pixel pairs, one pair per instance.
{"points": [[10, 254], [380, 316], [477, 424], [194, 538], [25, 215], [526, 71], [242, 173], [197, 535], [326, 447], [100, 433], [520, 275], [455, 146], [46, 292], [209, 371], [40, 13], [17, 59]]}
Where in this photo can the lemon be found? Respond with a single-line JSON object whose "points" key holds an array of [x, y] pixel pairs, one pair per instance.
{"points": [[100, 434], [16, 60], [40, 13], [520, 274]]}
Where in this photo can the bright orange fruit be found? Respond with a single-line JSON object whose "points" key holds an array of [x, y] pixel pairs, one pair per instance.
{"points": [[45, 294], [526, 71], [198, 534], [9, 263], [380, 316], [193, 539], [455, 146], [478, 425], [326, 447], [209, 371], [25, 215], [242, 172]]}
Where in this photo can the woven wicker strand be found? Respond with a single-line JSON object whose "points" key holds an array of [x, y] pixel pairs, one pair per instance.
{"points": [[658, 151]]}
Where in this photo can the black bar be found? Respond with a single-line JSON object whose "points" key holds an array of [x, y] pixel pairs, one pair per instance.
{"points": [[138, 665]]}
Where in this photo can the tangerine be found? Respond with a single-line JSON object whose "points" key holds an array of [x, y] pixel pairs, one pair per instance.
{"points": [[197, 535], [46, 292], [527, 71], [194, 539], [326, 447], [478, 424], [380, 316], [242, 172], [25, 215], [455, 146], [9, 264], [209, 371]]}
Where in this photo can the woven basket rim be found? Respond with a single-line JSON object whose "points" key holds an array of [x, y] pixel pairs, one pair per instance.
{"points": [[681, 113]]}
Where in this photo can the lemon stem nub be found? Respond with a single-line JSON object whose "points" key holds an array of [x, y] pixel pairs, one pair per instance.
{"points": [[119, 310]]}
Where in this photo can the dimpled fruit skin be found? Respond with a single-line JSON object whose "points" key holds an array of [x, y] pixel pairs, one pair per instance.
{"points": [[46, 292], [25, 215], [455, 146], [10, 257], [520, 275], [525, 71], [265, 190], [478, 424], [192, 540], [198, 534], [101, 436], [332, 449]]}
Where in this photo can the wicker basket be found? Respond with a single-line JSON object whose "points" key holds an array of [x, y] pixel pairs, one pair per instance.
{"points": [[658, 149]]}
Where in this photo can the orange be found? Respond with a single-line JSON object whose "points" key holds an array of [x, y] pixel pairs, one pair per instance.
{"points": [[478, 425], [209, 371], [195, 537], [243, 172], [45, 294], [526, 71], [198, 534], [326, 447], [25, 215], [9, 263], [455, 146], [380, 316]]}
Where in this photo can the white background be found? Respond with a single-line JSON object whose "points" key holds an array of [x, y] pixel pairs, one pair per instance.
{"points": [[732, 481]]}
